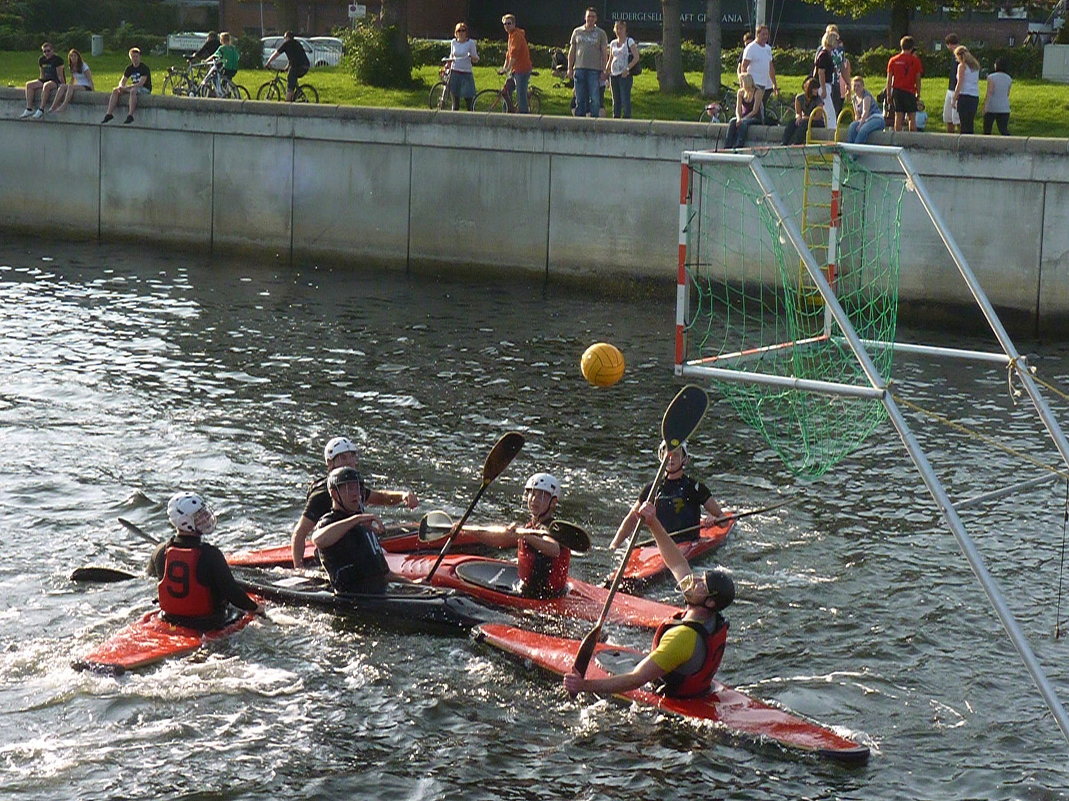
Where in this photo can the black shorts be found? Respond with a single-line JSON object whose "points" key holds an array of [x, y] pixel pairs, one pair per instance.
{"points": [[904, 102], [295, 74]]}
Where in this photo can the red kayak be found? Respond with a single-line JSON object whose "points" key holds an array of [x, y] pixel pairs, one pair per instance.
{"points": [[495, 581], [149, 640], [646, 564], [736, 712]]}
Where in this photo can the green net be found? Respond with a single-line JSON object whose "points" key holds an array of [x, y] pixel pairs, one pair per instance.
{"points": [[752, 305]]}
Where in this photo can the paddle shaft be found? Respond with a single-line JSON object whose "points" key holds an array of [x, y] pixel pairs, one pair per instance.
{"points": [[456, 530], [137, 530], [722, 519]]}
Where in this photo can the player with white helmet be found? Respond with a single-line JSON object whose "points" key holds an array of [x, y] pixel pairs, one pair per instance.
{"points": [[195, 585], [683, 502], [339, 452], [542, 562]]}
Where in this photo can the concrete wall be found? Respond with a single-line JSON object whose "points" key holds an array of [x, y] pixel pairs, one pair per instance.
{"points": [[553, 196]]}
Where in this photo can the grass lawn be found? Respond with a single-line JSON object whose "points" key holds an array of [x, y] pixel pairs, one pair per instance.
{"points": [[1039, 108]]}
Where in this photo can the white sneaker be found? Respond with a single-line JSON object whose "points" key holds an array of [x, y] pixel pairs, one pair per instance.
{"points": [[38, 114], [25, 114]]}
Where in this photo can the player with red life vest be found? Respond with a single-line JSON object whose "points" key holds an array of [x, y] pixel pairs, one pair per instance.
{"points": [[542, 561], [688, 647], [195, 585]]}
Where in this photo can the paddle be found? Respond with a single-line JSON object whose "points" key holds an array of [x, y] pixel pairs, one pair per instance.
{"points": [[571, 536], [680, 420], [101, 575], [138, 531], [434, 525], [721, 519], [503, 452]]}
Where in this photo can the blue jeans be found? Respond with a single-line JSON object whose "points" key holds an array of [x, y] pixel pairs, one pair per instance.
{"points": [[858, 132], [523, 81], [586, 93], [737, 130], [621, 95]]}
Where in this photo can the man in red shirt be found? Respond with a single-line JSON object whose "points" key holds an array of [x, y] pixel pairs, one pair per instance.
{"points": [[517, 60], [904, 73]]}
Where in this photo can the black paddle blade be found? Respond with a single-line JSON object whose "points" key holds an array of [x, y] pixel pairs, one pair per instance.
{"points": [[101, 575], [503, 452], [586, 650], [434, 526], [571, 536], [683, 415], [137, 531]]}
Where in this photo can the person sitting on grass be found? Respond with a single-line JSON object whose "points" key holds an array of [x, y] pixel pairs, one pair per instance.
{"points": [[196, 587], [136, 80], [542, 562], [49, 80], [688, 647]]}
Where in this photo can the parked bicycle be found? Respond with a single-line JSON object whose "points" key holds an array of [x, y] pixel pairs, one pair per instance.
{"points": [[776, 110], [275, 89], [184, 82], [503, 100], [440, 97], [217, 84]]}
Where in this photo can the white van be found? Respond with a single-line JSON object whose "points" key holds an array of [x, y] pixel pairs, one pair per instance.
{"points": [[327, 51]]}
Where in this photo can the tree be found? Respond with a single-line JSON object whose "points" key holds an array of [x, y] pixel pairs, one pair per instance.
{"points": [[393, 19], [713, 50], [901, 11], [670, 73]]}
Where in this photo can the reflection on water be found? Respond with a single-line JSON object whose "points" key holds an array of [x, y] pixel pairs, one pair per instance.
{"points": [[124, 375]]}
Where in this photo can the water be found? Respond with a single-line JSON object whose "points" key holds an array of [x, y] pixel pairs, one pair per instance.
{"points": [[126, 374]]}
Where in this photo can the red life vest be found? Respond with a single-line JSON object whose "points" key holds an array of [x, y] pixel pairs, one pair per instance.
{"points": [[180, 592], [542, 577], [697, 681]]}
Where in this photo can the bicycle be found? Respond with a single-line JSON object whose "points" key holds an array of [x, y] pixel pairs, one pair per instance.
{"points": [[440, 97], [722, 109], [216, 84], [276, 89], [184, 82], [500, 100]]}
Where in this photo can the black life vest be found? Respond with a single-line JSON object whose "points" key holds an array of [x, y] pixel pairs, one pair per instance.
{"points": [[180, 591], [687, 681]]}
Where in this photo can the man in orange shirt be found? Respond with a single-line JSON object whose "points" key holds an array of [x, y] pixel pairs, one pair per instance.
{"points": [[904, 73], [517, 60]]}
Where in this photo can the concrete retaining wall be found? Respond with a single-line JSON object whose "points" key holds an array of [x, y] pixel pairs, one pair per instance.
{"points": [[554, 196]]}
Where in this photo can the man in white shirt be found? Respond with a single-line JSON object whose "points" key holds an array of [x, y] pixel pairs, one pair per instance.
{"points": [[757, 60]]}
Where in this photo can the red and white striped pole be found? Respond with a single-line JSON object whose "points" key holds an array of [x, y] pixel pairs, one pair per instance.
{"points": [[681, 270]]}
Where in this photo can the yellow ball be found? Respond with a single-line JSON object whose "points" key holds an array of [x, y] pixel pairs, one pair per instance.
{"points": [[602, 364]]}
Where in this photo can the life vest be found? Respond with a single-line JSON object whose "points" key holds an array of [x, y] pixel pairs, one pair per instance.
{"points": [[695, 676], [542, 577], [181, 593]]}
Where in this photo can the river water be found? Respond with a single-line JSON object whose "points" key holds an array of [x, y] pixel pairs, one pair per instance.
{"points": [[126, 374]]}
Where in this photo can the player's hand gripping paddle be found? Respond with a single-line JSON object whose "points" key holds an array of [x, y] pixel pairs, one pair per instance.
{"points": [[680, 420]]}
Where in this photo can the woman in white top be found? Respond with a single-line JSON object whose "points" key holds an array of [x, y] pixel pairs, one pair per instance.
{"points": [[81, 79], [463, 54], [997, 99], [967, 92], [623, 57]]}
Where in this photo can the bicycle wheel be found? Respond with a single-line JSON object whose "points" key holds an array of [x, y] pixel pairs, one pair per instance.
{"points": [[490, 101], [268, 91], [241, 93], [534, 101], [305, 93], [439, 98], [169, 85]]}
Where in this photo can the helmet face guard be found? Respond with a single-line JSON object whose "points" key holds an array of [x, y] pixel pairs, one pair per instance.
{"points": [[343, 475], [189, 514], [662, 450]]}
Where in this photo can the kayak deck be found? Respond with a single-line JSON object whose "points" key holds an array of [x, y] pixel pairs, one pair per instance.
{"points": [[735, 711], [495, 581], [151, 639], [645, 563]]}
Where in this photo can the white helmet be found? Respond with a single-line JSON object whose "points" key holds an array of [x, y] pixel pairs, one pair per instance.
{"points": [[543, 481], [662, 449], [337, 446], [188, 513]]}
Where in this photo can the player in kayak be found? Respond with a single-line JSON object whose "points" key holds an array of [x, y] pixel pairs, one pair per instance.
{"points": [[196, 587], [346, 537], [680, 502], [688, 647], [542, 562], [339, 452]]}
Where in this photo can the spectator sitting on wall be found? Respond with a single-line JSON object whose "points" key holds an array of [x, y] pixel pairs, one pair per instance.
{"points": [[808, 112], [80, 78], [51, 77], [136, 80]]}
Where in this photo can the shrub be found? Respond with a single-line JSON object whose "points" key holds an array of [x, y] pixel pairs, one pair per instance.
{"points": [[252, 52], [372, 55]]}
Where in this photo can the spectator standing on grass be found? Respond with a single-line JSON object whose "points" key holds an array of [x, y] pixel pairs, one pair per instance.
{"points": [[967, 91], [997, 99], [904, 71], [950, 112], [757, 61], [824, 73], [517, 61], [49, 79], [843, 76], [623, 57], [136, 80], [80, 79], [746, 39], [298, 61], [464, 54], [588, 51]]}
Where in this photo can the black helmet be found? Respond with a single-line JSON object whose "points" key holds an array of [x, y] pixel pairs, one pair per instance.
{"points": [[721, 587], [343, 475]]}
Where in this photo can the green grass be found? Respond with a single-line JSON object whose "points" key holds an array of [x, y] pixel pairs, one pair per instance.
{"points": [[1040, 108]]}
